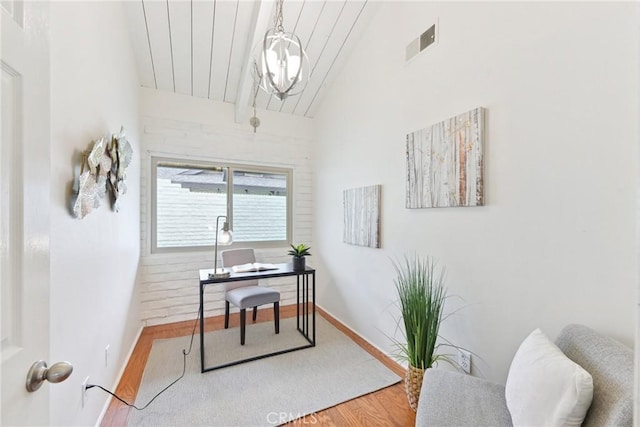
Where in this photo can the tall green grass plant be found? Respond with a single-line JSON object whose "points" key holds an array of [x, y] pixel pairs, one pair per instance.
{"points": [[422, 295]]}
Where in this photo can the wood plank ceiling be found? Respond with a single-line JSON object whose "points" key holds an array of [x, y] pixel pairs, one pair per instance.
{"points": [[205, 48]]}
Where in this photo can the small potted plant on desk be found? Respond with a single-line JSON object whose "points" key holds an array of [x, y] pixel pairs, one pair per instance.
{"points": [[299, 252]]}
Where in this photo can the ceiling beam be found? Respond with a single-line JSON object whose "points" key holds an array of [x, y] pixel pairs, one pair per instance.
{"points": [[259, 24]]}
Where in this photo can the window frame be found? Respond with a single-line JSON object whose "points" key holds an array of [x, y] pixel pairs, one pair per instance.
{"points": [[231, 168]]}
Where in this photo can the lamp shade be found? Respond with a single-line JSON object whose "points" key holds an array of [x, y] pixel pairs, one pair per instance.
{"points": [[224, 237]]}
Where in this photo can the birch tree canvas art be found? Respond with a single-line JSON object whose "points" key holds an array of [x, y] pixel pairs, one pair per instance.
{"points": [[445, 162], [362, 216]]}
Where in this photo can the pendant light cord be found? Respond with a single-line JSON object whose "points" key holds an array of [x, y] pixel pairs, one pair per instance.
{"points": [[255, 121], [255, 95], [278, 16]]}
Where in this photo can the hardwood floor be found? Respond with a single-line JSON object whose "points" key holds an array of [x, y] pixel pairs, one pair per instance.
{"points": [[386, 407]]}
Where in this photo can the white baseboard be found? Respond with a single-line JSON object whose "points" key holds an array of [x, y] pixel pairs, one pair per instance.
{"points": [[363, 338]]}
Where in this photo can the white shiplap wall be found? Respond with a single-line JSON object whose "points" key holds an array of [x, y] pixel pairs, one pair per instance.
{"points": [[168, 283]]}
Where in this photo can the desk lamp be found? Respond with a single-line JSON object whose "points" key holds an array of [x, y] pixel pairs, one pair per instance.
{"points": [[224, 237]]}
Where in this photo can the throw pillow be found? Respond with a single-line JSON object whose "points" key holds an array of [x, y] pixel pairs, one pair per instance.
{"points": [[546, 388]]}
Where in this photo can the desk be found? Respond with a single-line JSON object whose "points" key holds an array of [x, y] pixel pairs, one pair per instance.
{"points": [[302, 306]]}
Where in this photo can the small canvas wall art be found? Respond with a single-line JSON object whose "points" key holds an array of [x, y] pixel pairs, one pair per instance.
{"points": [[444, 163], [362, 216]]}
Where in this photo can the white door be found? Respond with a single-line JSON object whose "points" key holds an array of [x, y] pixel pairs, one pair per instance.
{"points": [[24, 207]]}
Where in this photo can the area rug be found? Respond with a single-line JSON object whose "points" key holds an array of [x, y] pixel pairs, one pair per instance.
{"points": [[269, 391]]}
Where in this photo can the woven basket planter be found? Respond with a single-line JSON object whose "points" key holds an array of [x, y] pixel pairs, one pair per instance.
{"points": [[413, 384]]}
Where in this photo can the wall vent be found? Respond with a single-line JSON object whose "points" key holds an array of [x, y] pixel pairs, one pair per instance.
{"points": [[425, 40]]}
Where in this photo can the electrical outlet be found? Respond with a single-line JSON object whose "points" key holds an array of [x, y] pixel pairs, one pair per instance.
{"points": [[84, 390], [106, 355], [464, 360]]}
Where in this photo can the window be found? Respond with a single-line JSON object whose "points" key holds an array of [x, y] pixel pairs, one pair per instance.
{"points": [[188, 196]]}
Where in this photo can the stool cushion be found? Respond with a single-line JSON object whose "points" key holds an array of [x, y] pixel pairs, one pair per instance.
{"points": [[252, 296]]}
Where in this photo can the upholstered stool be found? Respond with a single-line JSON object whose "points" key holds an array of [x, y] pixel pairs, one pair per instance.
{"points": [[252, 296]]}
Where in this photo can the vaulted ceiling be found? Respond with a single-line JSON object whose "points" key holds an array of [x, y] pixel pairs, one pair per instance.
{"points": [[205, 48]]}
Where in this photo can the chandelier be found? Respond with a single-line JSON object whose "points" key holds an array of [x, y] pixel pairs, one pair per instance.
{"points": [[281, 66]]}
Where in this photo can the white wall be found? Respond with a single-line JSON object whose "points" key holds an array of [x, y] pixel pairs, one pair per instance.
{"points": [[636, 408], [94, 90], [192, 128], [555, 242]]}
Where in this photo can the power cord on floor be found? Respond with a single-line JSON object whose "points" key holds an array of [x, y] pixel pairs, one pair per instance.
{"points": [[184, 368]]}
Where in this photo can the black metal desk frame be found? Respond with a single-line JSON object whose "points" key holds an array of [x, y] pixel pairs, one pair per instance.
{"points": [[302, 302]]}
